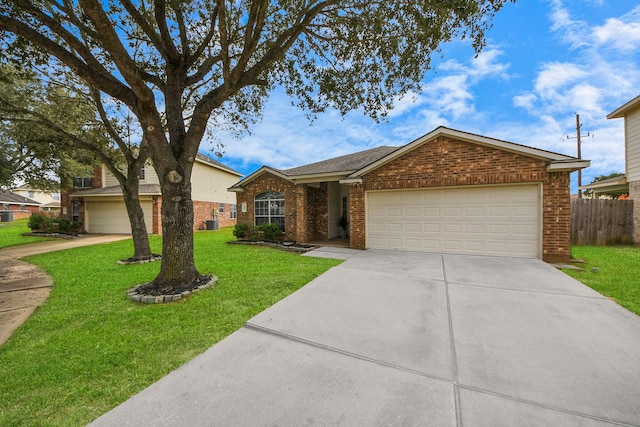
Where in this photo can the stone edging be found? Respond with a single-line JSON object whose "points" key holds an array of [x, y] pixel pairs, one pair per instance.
{"points": [[154, 258], [134, 296], [282, 246]]}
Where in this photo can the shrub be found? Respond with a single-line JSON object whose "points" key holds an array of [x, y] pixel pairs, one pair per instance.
{"points": [[36, 221], [241, 230], [271, 232]]}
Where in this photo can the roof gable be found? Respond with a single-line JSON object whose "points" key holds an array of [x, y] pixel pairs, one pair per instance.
{"points": [[548, 156], [623, 110]]}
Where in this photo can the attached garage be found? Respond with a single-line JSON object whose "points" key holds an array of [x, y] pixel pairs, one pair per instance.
{"points": [[485, 220], [111, 216]]}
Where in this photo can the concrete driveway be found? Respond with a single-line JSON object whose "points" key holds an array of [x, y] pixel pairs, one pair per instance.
{"points": [[401, 338]]}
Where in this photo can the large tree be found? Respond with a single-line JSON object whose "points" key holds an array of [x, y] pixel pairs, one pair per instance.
{"points": [[181, 66], [50, 127], [30, 153]]}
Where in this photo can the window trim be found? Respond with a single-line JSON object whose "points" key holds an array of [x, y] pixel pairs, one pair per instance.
{"points": [[271, 206]]}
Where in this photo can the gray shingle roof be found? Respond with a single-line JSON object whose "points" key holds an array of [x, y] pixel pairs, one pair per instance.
{"points": [[16, 199], [350, 162]]}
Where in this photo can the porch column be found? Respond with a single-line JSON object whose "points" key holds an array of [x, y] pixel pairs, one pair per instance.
{"points": [[301, 213], [357, 232]]}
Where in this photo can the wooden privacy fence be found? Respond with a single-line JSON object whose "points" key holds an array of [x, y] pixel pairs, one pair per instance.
{"points": [[601, 222]]}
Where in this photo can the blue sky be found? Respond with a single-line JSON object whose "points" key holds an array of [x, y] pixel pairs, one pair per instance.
{"points": [[544, 61]]}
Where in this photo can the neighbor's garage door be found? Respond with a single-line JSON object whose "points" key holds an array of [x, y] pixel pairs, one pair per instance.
{"points": [[492, 220], [111, 217]]}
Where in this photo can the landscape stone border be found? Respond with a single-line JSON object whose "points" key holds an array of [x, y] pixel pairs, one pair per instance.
{"points": [[284, 246], [134, 296], [154, 258]]}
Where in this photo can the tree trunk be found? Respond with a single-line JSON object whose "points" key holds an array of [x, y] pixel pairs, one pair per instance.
{"points": [[141, 249], [178, 267]]}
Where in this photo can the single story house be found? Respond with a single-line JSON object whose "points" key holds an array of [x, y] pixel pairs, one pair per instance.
{"points": [[448, 191], [97, 200], [19, 206], [630, 182]]}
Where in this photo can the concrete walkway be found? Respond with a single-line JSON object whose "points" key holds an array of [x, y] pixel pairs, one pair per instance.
{"points": [[398, 338], [24, 287]]}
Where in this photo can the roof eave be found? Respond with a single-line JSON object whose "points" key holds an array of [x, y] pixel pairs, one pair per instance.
{"points": [[568, 166], [608, 185], [624, 109], [320, 177]]}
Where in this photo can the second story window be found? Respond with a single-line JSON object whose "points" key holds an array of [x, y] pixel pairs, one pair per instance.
{"points": [[143, 173], [82, 182]]}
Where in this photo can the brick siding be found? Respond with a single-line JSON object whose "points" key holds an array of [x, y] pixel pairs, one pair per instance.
{"points": [[292, 193], [443, 162]]}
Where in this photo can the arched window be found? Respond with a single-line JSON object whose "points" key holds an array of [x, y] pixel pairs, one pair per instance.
{"points": [[269, 208]]}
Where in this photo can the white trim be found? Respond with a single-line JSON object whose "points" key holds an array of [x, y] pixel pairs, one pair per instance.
{"points": [[568, 166], [623, 110]]}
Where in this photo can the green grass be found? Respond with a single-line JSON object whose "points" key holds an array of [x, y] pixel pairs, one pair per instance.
{"points": [[11, 234], [618, 275], [88, 348]]}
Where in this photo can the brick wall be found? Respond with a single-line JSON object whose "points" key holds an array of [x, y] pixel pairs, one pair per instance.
{"points": [[268, 182], [556, 218], [204, 211], [318, 212]]}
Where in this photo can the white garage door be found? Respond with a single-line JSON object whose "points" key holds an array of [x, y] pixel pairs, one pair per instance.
{"points": [[492, 220], [111, 217]]}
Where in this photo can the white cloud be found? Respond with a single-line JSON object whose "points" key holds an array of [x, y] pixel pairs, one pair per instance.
{"points": [[622, 34], [526, 101]]}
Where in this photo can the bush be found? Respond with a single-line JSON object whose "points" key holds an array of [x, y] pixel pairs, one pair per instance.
{"points": [[47, 224], [271, 232], [36, 221], [241, 230]]}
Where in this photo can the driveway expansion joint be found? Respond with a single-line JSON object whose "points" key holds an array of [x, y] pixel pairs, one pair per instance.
{"points": [[294, 338]]}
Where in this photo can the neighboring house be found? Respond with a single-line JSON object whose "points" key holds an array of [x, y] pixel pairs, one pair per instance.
{"points": [[97, 200], [20, 206], [49, 201], [630, 182], [448, 191]]}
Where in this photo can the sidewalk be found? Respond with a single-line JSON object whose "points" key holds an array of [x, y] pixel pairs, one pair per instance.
{"points": [[24, 287]]}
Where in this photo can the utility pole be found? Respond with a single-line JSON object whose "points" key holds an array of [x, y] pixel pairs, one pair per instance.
{"points": [[577, 137]]}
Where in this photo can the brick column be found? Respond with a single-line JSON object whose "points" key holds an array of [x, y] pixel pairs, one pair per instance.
{"points": [[357, 232], [301, 213], [634, 195], [556, 218]]}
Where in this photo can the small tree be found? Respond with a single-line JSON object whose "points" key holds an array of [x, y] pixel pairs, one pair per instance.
{"points": [[55, 129]]}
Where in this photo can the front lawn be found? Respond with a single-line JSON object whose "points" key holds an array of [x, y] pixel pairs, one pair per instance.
{"points": [[617, 275], [88, 348], [11, 234]]}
